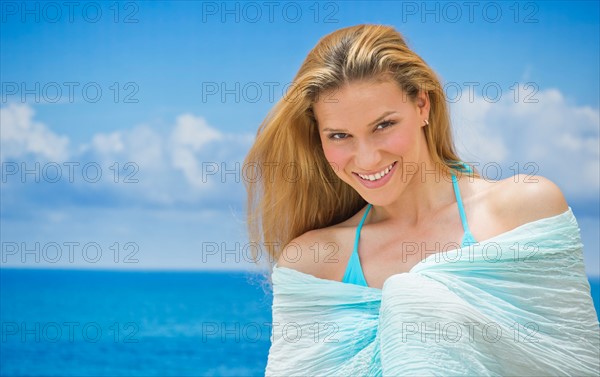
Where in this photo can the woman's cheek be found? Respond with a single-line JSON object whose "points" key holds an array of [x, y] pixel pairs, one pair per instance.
{"points": [[397, 144], [338, 158]]}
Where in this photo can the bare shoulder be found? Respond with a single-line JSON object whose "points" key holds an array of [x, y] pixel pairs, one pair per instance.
{"points": [[316, 252], [322, 252], [523, 198]]}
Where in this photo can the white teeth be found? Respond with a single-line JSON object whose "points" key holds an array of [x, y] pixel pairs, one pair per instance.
{"points": [[376, 176]]}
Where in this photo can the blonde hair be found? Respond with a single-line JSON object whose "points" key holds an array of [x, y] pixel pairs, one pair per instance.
{"points": [[293, 188]]}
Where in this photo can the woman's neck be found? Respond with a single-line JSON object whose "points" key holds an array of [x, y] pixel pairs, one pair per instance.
{"points": [[426, 192]]}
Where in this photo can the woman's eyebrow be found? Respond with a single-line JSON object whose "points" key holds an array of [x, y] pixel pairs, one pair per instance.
{"points": [[368, 125]]}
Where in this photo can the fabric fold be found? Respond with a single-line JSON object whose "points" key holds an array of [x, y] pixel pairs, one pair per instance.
{"points": [[516, 304]]}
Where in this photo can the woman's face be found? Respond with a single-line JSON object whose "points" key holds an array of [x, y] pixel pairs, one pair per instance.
{"points": [[372, 136]]}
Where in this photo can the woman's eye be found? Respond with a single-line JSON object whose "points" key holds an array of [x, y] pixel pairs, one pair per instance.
{"points": [[338, 136], [385, 124]]}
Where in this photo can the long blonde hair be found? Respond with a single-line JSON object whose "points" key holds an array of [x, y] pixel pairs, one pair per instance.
{"points": [[291, 186]]}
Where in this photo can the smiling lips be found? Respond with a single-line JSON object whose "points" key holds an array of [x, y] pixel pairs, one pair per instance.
{"points": [[377, 176]]}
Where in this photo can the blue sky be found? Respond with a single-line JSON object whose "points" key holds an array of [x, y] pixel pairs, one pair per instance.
{"points": [[178, 88]]}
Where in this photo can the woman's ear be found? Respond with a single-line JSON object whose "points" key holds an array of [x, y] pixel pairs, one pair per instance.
{"points": [[423, 104]]}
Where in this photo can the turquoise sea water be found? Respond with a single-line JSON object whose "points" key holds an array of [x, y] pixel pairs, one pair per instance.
{"points": [[106, 323], [109, 323]]}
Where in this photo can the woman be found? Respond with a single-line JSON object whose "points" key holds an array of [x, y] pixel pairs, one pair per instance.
{"points": [[392, 255]]}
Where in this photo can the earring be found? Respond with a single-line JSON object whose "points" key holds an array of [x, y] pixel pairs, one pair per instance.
{"points": [[426, 122]]}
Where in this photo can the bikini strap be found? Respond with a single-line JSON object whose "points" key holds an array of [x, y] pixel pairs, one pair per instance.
{"points": [[461, 209], [359, 227]]}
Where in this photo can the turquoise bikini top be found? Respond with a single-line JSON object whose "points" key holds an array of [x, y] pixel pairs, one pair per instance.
{"points": [[354, 273]]}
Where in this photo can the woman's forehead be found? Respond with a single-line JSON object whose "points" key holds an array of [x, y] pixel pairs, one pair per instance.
{"points": [[359, 98]]}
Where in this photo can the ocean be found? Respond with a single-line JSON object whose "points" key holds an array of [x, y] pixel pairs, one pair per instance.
{"points": [[126, 323], [113, 323]]}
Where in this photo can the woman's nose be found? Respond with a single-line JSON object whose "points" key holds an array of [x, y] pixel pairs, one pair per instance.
{"points": [[368, 156]]}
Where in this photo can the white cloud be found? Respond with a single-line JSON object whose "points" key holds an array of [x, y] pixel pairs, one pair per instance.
{"points": [[190, 136], [194, 132], [140, 153], [21, 135], [167, 163], [562, 139], [141, 145], [108, 143], [472, 139]]}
